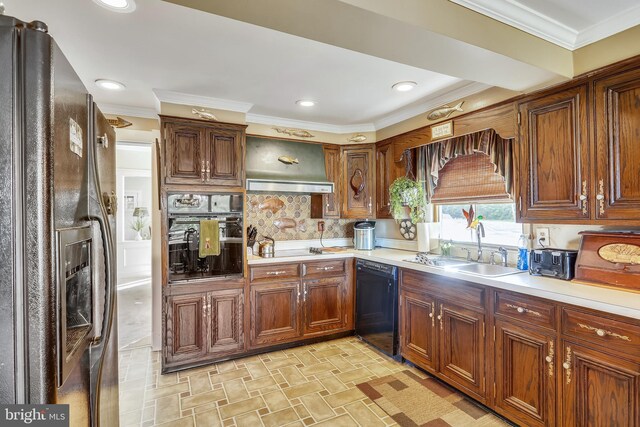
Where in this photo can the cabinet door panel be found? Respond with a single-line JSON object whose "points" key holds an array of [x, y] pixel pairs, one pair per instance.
{"points": [[224, 154], [357, 183], [323, 304], [525, 379], [186, 328], [384, 178], [226, 310], [184, 155], [618, 146], [332, 167], [462, 347], [274, 312], [555, 153], [418, 329], [599, 389]]}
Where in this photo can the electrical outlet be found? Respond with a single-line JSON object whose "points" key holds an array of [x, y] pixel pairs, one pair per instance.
{"points": [[320, 225], [542, 237]]}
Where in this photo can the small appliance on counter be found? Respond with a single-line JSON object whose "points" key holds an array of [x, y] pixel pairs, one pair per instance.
{"points": [[610, 258], [557, 263], [364, 235]]}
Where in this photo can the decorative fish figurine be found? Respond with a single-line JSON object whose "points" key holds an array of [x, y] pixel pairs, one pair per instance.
{"points": [[300, 133], [284, 223], [272, 204], [118, 122], [443, 112], [357, 138], [288, 160], [204, 114]]}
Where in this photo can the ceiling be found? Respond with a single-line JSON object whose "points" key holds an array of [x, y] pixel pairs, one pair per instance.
{"points": [[567, 23], [164, 52]]}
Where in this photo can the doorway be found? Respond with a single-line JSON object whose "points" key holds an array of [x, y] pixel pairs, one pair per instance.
{"points": [[133, 228]]}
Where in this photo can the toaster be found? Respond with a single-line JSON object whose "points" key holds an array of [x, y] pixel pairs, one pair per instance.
{"points": [[558, 263]]}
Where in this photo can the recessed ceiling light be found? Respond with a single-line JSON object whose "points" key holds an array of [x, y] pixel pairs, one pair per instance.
{"points": [[305, 103], [404, 86], [123, 6], [110, 84]]}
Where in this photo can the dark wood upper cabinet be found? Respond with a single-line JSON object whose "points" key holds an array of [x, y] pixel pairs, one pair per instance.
{"points": [[184, 157], [225, 157], [385, 175], [324, 304], [226, 313], [186, 328], [275, 314], [554, 155], [617, 143], [525, 373], [358, 174], [418, 328], [200, 152], [598, 389], [328, 205]]}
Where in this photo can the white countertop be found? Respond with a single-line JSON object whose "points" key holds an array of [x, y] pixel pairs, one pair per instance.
{"points": [[608, 300]]}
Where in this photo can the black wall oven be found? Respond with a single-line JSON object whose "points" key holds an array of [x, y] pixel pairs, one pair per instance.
{"points": [[185, 215]]}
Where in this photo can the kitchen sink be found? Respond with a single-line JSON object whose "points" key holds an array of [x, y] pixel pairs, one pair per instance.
{"points": [[487, 270], [438, 261]]}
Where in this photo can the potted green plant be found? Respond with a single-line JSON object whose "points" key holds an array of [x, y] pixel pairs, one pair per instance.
{"points": [[404, 193]]}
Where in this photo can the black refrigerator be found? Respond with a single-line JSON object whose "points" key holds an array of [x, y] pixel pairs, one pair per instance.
{"points": [[58, 335]]}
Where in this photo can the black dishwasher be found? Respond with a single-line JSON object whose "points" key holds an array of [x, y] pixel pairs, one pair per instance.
{"points": [[377, 305]]}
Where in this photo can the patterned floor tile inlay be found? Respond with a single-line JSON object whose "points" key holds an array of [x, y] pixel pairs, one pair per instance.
{"points": [[336, 383]]}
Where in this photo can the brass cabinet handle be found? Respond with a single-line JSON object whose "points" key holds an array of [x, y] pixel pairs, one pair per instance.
{"points": [[326, 268], [208, 170], [567, 365], [522, 310], [202, 171], [549, 358], [600, 196], [275, 273], [583, 197], [603, 332]]}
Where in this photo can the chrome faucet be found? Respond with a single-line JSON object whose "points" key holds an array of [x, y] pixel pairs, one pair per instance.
{"points": [[479, 233]]}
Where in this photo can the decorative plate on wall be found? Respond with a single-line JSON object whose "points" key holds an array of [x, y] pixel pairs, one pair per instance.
{"points": [[408, 229]]}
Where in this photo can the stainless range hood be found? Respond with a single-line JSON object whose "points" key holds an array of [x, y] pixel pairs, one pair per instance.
{"points": [[276, 165]]}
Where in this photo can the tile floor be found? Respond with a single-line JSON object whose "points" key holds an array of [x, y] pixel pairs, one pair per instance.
{"points": [[310, 385]]}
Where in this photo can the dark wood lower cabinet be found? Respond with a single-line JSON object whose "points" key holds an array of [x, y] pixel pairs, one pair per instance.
{"points": [[418, 329], [324, 304], [462, 347], [226, 312], [525, 373], [599, 389], [275, 314], [186, 327]]}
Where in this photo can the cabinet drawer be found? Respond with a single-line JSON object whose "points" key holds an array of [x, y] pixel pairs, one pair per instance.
{"points": [[613, 334], [274, 272], [526, 309], [325, 268], [456, 290]]}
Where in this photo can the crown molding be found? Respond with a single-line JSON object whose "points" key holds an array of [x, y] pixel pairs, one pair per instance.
{"points": [[319, 127], [613, 25], [430, 104], [201, 101], [512, 13], [127, 110]]}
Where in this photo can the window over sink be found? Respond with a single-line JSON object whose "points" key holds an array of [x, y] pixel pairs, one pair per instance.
{"points": [[499, 223]]}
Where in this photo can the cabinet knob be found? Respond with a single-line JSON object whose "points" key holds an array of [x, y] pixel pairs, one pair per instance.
{"points": [[549, 359], [440, 317], [601, 332], [566, 365], [430, 314], [520, 310], [583, 197], [600, 197]]}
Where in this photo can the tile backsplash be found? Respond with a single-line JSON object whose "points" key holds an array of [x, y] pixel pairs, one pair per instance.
{"points": [[287, 217]]}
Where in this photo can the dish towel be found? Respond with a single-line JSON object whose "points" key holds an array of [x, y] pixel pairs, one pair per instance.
{"points": [[209, 238]]}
